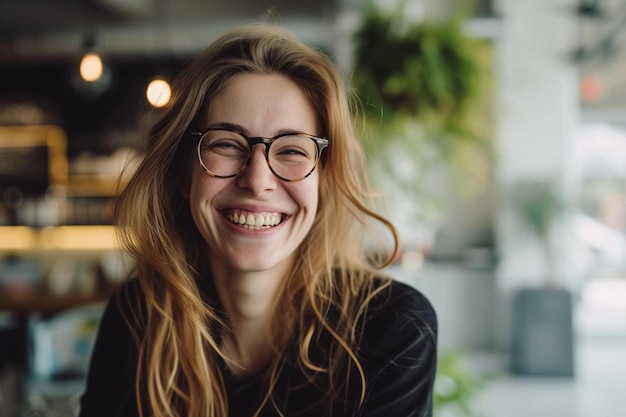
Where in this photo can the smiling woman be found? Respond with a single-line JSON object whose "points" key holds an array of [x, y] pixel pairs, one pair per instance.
{"points": [[247, 299]]}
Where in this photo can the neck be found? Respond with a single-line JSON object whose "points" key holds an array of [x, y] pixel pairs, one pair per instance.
{"points": [[247, 298]]}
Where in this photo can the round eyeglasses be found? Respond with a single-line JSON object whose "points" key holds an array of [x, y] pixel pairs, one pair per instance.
{"points": [[291, 156]]}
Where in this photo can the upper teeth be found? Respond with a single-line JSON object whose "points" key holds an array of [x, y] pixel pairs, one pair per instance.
{"points": [[255, 221]]}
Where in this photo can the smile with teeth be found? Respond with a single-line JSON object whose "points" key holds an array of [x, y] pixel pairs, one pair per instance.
{"points": [[254, 221]]}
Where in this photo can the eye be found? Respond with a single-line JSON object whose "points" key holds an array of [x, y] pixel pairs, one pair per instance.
{"points": [[292, 150], [295, 147], [226, 144]]}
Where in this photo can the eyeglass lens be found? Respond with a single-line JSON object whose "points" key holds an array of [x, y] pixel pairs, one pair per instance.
{"points": [[224, 153]]}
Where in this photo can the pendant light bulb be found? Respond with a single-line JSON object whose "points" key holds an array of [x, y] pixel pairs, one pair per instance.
{"points": [[91, 67], [158, 92]]}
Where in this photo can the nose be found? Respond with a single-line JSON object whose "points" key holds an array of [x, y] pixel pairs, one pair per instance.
{"points": [[257, 177]]}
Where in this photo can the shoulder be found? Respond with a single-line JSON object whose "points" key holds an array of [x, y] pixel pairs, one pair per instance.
{"points": [[128, 294], [400, 325], [109, 389], [120, 324], [124, 307], [398, 305], [398, 352]]}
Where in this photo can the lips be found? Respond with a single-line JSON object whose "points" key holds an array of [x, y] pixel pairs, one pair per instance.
{"points": [[254, 220]]}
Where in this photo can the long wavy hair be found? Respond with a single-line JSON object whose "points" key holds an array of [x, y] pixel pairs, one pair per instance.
{"points": [[179, 372]]}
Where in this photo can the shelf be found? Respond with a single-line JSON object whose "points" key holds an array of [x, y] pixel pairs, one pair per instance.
{"points": [[24, 238], [87, 185], [33, 157], [47, 303]]}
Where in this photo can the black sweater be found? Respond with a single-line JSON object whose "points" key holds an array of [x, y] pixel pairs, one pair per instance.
{"points": [[397, 351]]}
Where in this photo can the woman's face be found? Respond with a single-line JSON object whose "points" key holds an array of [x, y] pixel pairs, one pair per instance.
{"points": [[258, 105]]}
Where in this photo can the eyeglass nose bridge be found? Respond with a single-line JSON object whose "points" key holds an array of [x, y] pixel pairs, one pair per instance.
{"points": [[259, 140]]}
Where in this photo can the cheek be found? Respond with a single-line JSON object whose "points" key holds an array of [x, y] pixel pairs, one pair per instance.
{"points": [[309, 197], [202, 189]]}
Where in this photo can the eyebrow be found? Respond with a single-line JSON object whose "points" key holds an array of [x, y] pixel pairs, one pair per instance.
{"points": [[229, 126], [240, 129]]}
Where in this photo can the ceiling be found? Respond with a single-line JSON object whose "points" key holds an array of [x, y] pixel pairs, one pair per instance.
{"points": [[45, 17], [35, 28], [38, 28], [45, 29]]}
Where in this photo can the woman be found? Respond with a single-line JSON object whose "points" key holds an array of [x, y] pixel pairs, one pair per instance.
{"points": [[253, 293]]}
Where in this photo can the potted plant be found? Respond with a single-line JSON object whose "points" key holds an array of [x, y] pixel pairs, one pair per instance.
{"points": [[456, 386], [542, 328]]}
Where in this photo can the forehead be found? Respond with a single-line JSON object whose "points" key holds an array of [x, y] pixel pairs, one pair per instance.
{"points": [[262, 103]]}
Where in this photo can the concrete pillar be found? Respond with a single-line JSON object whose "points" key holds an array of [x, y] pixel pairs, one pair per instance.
{"points": [[537, 116]]}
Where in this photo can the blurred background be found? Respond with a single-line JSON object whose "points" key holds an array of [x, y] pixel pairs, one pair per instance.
{"points": [[496, 128]]}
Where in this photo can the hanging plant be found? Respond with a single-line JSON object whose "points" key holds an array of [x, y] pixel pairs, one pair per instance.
{"points": [[425, 85]]}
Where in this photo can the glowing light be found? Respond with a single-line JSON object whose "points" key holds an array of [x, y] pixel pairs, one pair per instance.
{"points": [[91, 67], [158, 92], [590, 89]]}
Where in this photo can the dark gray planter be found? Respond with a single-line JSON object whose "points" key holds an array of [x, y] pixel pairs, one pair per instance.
{"points": [[543, 334]]}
